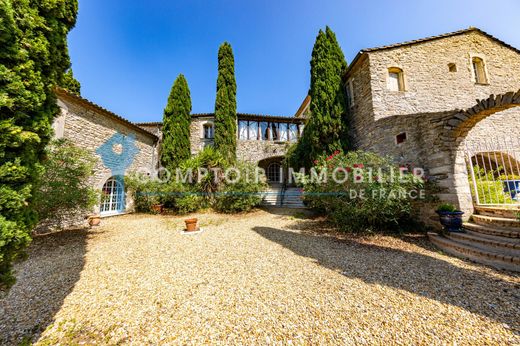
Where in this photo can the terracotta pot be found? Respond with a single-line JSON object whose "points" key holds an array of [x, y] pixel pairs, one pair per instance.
{"points": [[191, 225], [94, 220], [158, 208]]}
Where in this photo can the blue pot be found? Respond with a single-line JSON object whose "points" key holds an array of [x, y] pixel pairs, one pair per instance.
{"points": [[451, 220], [513, 188]]}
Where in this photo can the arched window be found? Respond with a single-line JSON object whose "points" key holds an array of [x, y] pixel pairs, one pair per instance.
{"points": [[113, 196], [479, 70], [208, 131], [274, 172], [395, 79]]}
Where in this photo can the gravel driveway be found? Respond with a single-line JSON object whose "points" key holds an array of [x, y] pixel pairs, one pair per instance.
{"points": [[257, 278]]}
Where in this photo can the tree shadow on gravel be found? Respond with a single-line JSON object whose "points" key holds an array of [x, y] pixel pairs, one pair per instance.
{"points": [[416, 273], [44, 280]]}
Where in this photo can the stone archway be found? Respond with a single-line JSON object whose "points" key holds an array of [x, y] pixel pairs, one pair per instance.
{"points": [[274, 169], [450, 162]]}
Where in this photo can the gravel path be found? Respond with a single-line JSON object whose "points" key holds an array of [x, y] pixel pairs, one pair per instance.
{"points": [[252, 279]]}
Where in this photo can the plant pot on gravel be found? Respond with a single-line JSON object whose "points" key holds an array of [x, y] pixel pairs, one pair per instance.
{"points": [[157, 208], [450, 217], [191, 225], [94, 220]]}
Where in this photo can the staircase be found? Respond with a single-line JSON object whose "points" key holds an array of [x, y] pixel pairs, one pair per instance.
{"points": [[285, 197], [492, 237], [292, 198], [272, 197]]}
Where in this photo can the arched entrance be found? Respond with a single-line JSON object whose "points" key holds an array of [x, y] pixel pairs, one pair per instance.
{"points": [[113, 196], [453, 148], [274, 170], [274, 173]]}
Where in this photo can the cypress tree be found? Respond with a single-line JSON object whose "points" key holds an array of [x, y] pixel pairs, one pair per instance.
{"points": [[33, 60], [176, 125], [326, 128], [70, 83], [226, 104]]}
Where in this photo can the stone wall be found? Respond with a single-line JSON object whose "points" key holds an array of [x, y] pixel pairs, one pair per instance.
{"points": [[89, 129], [197, 141], [361, 109], [430, 86], [431, 102], [255, 151]]}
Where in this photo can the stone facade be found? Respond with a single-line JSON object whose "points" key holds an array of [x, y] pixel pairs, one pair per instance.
{"points": [[438, 81], [247, 150], [89, 126]]}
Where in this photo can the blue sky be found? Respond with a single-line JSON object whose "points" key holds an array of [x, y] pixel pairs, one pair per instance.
{"points": [[126, 54]]}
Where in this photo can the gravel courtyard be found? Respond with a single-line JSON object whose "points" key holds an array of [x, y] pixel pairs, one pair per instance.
{"points": [[263, 277]]}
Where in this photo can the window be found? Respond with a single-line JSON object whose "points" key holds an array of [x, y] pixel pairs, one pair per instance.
{"points": [[113, 196], [208, 132], [242, 130], [395, 79], [400, 138], [274, 172], [350, 94], [293, 132], [253, 130], [264, 131], [452, 67], [274, 132], [479, 71], [282, 131]]}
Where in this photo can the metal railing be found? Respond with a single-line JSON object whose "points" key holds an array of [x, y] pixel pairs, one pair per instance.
{"points": [[494, 171]]}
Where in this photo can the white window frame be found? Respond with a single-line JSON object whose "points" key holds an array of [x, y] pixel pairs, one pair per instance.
{"points": [[401, 82], [203, 130]]}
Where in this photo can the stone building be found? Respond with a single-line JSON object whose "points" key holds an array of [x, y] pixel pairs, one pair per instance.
{"points": [[424, 102], [93, 128], [261, 139], [416, 101]]}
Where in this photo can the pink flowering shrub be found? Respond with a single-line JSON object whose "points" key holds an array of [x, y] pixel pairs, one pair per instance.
{"points": [[361, 191]]}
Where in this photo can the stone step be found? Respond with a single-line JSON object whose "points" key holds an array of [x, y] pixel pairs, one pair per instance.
{"points": [[509, 212], [475, 254], [496, 221], [492, 230], [506, 246]]}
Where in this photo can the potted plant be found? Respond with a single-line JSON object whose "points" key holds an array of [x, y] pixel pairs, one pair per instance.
{"points": [[94, 220], [157, 208], [191, 224], [450, 217]]}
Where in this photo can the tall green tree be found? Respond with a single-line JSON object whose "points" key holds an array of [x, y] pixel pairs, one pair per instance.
{"points": [[33, 60], [326, 130], [71, 84], [176, 125], [226, 104]]}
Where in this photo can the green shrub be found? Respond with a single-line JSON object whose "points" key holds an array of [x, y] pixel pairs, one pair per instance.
{"points": [[64, 186], [211, 162], [372, 201], [446, 207], [33, 60], [243, 193], [209, 189], [491, 192], [189, 202], [145, 192]]}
